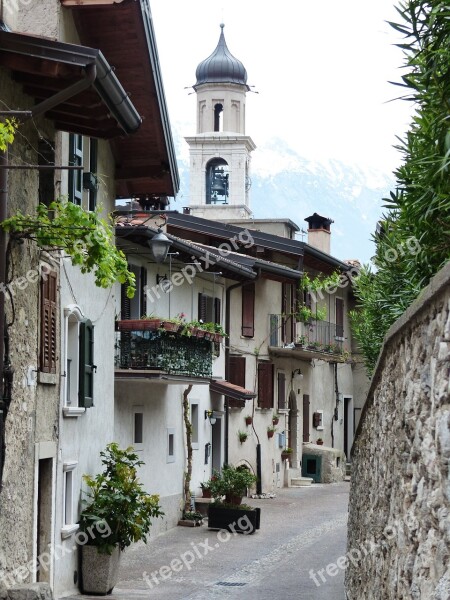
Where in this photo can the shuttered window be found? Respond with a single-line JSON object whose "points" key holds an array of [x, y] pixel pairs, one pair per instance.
{"points": [[236, 375], [288, 292], [248, 310], [48, 322], [339, 317], [86, 365], [265, 385], [202, 307], [281, 390]]}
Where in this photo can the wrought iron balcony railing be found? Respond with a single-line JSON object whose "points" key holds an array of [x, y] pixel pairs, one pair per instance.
{"points": [[160, 350], [317, 335]]}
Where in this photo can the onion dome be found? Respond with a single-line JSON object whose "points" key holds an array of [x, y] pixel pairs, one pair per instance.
{"points": [[221, 66]]}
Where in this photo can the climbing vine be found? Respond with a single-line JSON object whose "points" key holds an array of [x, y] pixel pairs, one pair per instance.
{"points": [[85, 236], [7, 131], [314, 286]]}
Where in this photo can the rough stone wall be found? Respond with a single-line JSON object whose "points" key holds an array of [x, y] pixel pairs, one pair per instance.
{"points": [[333, 462], [399, 524], [32, 416]]}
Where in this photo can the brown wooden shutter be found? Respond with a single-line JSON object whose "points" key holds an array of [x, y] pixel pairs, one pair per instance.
{"points": [[305, 418], [248, 310], [265, 385], [48, 322], [281, 390], [339, 317], [202, 307], [236, 375]]}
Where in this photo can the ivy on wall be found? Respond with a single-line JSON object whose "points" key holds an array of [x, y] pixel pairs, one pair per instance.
{"points": [[85, 236]]}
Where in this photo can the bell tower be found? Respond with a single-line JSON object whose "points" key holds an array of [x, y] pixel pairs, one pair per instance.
{"points": [[220, 150]]}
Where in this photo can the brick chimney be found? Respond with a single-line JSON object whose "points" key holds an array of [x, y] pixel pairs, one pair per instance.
{"points": [[319, 232]]}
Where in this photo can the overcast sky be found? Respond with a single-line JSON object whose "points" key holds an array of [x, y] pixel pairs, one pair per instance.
{"points": [[321, 70]]}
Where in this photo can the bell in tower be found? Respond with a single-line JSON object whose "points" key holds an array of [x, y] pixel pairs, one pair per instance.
{"points": [[220, 150], [217, 182]]}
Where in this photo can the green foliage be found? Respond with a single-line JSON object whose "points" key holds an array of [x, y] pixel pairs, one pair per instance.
{"points": [[117, 500], [7, 131], [318, 284], [191, 515], [414, 240], [83, 235], [233, 481]]}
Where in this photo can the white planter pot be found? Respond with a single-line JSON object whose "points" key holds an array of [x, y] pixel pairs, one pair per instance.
{"points": [[100, 572]]}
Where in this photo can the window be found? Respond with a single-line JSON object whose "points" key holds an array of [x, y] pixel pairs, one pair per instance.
{"points": [[170, 445], [210, 311], [236, 375], [93, 151], [218, 117], [138, 427], [68, 525], [136, 307], [281, 391], [48, 321], [339, 318], [265, 384], [46, 157], [248, 310], [79, 357], [194, 423], [288, 292], [76, 176]]}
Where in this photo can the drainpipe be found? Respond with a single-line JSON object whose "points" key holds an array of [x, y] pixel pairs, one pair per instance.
{"points": [[3, 215]]}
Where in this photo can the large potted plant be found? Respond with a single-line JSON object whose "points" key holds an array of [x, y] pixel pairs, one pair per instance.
{"points": [[227, 512], [117, 513]]}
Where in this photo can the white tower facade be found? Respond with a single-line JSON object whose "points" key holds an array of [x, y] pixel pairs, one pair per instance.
{"points": [[220, 151]]}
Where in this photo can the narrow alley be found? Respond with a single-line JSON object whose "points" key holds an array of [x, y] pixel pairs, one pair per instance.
{"points": [[303, 534]]}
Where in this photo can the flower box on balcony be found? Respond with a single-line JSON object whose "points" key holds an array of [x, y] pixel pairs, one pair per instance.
{"points": [[172, 326], [138, 325]]}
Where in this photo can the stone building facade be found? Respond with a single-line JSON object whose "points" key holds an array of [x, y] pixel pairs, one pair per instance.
{"points": [[399, 526]]}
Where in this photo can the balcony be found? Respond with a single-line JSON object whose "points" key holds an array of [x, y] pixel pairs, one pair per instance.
{"points": [[162, 352], [318, 339]]}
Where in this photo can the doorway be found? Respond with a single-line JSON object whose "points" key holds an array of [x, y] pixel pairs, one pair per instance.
{"points": [[44, 516], [293, 430], [348, 426]]}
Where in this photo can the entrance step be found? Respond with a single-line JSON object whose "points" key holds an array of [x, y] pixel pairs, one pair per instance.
{"points": [[301, 481]]}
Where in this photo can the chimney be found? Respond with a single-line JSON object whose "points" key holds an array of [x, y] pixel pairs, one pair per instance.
{"points": [[319, 232]]}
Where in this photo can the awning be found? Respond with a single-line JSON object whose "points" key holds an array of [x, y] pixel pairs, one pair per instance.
{"points": [[226, 388], [73, 85]]}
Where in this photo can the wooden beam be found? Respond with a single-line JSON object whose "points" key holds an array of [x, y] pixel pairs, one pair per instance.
{"points": [[141, 172]]}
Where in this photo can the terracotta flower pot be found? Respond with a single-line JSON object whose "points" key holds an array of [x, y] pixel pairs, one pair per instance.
{"points": [[270, 434], [206, 493], [248, 420], [233, 499], [169, 326], [201, 333], [275, 420]]}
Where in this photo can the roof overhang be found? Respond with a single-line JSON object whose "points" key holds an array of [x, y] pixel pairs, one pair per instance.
{"points": [[226, 388], [72, 85], [146, 162]]}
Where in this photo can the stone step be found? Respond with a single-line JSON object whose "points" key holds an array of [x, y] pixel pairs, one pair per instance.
{"points": [[348, 469], [301, 481]]}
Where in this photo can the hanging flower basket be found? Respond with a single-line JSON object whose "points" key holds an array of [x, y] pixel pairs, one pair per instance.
{"points": [[248, 420], [270, 432], [170, 326]]}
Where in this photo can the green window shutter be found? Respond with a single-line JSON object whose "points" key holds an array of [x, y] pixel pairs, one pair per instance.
{"points": [[87, 367]]}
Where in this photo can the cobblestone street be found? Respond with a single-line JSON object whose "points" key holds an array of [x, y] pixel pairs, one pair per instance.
{"points": [[303, 529]]}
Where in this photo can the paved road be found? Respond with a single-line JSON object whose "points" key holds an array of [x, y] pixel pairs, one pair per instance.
{"points": [[303, 530]]}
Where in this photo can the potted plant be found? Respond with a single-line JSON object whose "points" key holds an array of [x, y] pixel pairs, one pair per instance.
{"points": [[146, 323], [117, 513], [301, 341], [286, 453], [270, 431], [242, 435], [231, 485], [206, 487], [248, 420], [191, 518], [275, 419], [319, 442]]}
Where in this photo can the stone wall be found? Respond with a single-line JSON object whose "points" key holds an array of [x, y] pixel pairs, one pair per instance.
{"points": [[399, 525]]}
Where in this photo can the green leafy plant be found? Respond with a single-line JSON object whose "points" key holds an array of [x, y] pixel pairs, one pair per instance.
{"points": [[116, 499], [85, 236], [242, 435], [231, 483], [191, 515], [8, 129], [413, 238]]}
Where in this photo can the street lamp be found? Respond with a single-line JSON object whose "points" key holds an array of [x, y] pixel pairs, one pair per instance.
{"points": [[159, 245], [209, 414]]}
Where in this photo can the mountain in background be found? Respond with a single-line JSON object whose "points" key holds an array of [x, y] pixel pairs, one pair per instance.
{"points": [[284, 184]]}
